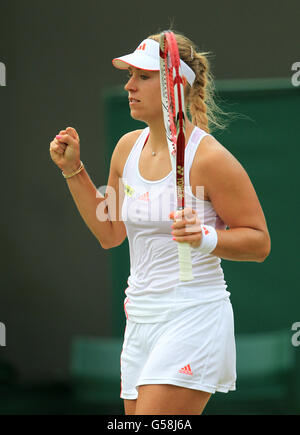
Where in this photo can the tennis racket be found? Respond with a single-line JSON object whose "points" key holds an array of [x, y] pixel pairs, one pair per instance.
{"points": [[172, 96]]}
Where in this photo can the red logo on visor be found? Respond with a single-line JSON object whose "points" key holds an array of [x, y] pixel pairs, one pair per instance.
{"points": [[142, 46]]}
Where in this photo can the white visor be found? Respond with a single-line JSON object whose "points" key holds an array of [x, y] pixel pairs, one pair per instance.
{"points": [[146, 57]]}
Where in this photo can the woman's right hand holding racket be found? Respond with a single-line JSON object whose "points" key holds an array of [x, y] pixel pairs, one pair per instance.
{"points": [[65, 150]]}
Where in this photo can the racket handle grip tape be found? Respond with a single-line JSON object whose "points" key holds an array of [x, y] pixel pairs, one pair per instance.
{"points": [[185, 262]]}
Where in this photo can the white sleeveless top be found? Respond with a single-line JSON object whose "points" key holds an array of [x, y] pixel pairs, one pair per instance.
{"points": [[154, 292]]}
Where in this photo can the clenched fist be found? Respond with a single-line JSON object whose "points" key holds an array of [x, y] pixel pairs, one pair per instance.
{"points": [[65, 150]]}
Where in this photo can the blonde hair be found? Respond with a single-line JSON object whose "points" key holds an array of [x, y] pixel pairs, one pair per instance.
{"points": [[199, 98]]}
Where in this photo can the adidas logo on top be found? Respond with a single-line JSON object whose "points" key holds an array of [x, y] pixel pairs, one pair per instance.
{"points": [[186, 370], [144, 197]]}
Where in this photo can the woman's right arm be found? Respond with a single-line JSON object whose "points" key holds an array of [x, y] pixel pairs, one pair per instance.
{"points": [[65, 152]]}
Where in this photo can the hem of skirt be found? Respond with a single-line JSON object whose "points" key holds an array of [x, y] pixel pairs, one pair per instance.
{"points": [[193, 385], [128, 396]]}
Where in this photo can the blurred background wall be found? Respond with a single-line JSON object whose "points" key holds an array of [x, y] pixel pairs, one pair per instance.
{"points": [[55, 277]]}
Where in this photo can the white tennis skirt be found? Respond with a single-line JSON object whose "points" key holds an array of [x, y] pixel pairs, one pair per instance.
{"points": [[195, 349]]}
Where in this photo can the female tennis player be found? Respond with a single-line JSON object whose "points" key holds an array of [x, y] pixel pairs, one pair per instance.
{"points": [[179, 345]]}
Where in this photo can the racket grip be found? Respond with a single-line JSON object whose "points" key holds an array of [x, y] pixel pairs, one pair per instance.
{"points": [[185, 262]]}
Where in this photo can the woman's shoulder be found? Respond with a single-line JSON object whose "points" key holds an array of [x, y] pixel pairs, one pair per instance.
{"points": [[215, 163], [215, 168], [128, 139], [211, 152]]}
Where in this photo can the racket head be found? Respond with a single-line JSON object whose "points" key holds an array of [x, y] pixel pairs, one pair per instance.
{"points": [[172, 96]]}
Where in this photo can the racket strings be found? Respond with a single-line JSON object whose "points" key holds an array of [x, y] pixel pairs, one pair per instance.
{"points": [[170, 99], [173, 111]]}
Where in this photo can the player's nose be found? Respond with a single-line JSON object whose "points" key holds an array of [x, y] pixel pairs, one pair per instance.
{"points": [[130, 85]]}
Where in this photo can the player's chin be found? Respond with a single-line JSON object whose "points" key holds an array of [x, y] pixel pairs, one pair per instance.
{"points": [[135, 114], [138, 115]]}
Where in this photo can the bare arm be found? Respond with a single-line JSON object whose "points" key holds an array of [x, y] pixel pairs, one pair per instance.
{"points": [[234, 199], [101, 214], [94, 211]]}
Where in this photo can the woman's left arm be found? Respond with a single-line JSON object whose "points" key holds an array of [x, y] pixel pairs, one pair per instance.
{"points": [[234, 199], [229, 188]]}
